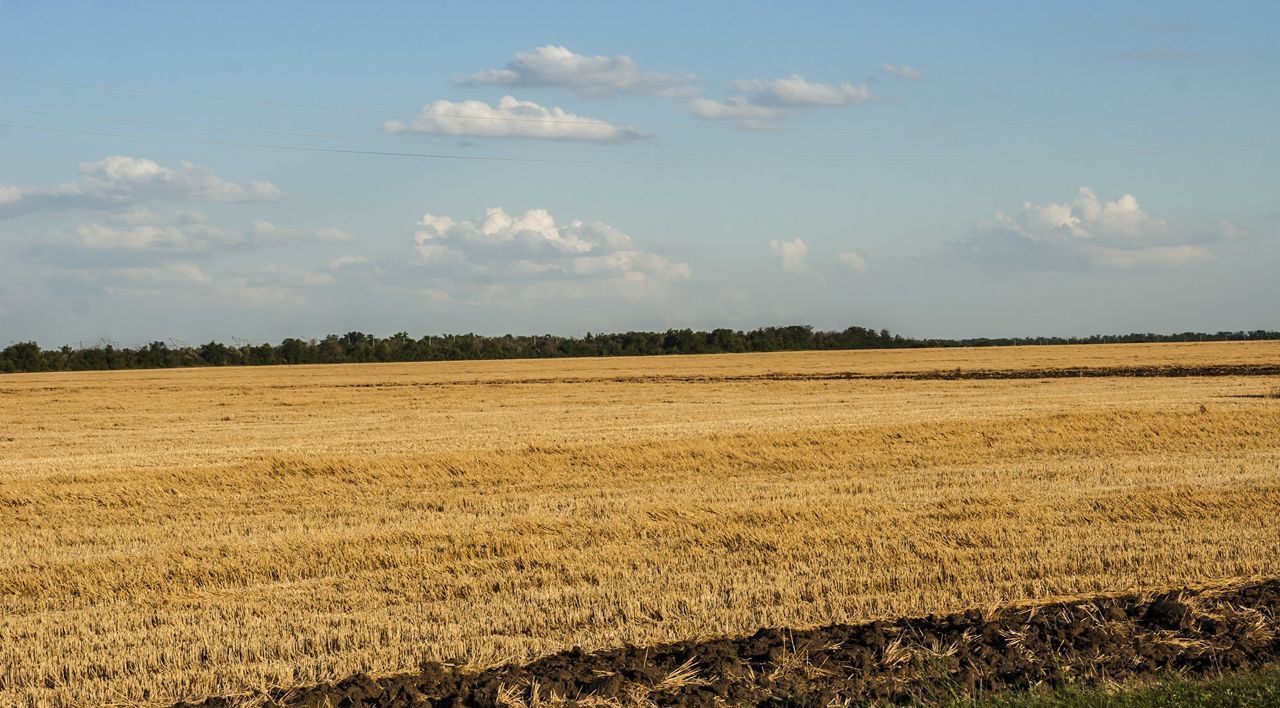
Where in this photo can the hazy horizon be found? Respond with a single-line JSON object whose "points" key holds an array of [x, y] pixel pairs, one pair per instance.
{"points": [[241, 341]]}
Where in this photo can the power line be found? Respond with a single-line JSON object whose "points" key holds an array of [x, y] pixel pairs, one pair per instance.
{"points": [[307, 148], [366, 138], [590, 121], [310, 106], [226, 99], [868, 161], [332, 136], [194, 126]]}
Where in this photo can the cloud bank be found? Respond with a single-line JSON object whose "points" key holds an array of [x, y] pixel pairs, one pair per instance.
{"points": [[510, 118], [141, 233], [119, 181], [1085, 233], [504, 259]]}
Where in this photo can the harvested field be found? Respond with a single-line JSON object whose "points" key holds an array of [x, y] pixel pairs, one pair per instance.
{"points": [[922, 660], [174, 535]]}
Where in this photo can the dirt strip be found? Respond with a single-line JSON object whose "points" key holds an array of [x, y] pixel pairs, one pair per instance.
{"points": [[936, 658], [1171, 371]]}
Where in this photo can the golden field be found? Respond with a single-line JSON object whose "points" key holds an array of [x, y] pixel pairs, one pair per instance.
{"points": [[184, 533]]}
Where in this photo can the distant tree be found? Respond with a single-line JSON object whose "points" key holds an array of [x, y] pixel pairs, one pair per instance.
{"points": [[23, 356], [294, 351], [215, 354], [358, 346], [331, 350], [156, 354]]}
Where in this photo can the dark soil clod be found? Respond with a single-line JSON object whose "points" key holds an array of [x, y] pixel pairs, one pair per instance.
{"points": [[906, 661]]}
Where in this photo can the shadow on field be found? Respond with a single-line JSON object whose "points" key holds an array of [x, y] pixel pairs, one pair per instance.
{"points": [[931, 659]]}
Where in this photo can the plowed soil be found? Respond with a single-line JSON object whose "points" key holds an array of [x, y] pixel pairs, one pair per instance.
{"points": [[958, 374], [1194, 632]]}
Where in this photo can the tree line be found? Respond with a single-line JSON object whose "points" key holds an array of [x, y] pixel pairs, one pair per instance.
{"points": [[358, 347]]}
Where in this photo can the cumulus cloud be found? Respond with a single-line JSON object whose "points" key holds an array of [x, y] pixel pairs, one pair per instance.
{"points": [[588, 76], [1086, 217], [790, 254], [902, 71], [123, 181], [1086, 232], [794, 91], [762, 103], [175, 256], [508, 257], [747, 114], [853, 260], [510, 118], [139, 237]]}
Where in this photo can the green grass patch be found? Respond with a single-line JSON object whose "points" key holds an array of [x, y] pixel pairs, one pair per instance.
{"points": [[1261, 688]]}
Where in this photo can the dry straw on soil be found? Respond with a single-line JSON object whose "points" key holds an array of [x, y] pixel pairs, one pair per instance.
{"points": [[179, 534]]}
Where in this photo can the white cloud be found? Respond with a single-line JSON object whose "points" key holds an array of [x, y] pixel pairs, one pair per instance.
{"points": [[790, 254], [510, 118], [123, 181], [346, 262], [185, 232], [269, 287], [748, 115], [588, 76], [140, 237], [902, 71], [1086, 232], [853, 260], [530, 255], [795, 91], [1086, 218], [139, 253], [762, 103]]}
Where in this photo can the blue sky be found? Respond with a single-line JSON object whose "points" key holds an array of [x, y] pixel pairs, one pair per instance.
{"points": [[988, 170]]}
